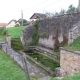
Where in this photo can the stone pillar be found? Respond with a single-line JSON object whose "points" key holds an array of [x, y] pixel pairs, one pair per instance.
{"points": [[8, 40]]}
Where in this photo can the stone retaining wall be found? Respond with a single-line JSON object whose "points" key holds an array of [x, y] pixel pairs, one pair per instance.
{"points": [[69, 62]]}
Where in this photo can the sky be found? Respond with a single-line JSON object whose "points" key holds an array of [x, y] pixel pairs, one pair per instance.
{"points": [[11, 9]]}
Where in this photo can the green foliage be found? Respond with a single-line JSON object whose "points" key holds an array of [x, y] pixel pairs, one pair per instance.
{"points": [[35, 36], [71, 9], [62, 12], [2, 38], [75, 45], [2, 34], [16, 25], [45, 60], [77, 9], [15, 32], [24, 22], [16, 44], [2, 31]]}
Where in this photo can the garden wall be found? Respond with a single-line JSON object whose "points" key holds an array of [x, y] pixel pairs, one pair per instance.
{"points": [[69, 62]]}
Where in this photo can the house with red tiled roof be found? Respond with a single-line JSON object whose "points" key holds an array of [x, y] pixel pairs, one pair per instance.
{"points": [[3, 24]]}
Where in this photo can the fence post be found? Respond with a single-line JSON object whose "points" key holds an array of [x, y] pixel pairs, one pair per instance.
{"points": [[24, 62]]}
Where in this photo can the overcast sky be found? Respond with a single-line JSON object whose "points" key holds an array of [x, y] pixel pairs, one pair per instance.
{"points": [[11, 9]]}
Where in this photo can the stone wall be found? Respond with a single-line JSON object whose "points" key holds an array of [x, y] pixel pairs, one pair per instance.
{"points": [[47, 42], [54, 27], [74, 33], [69, 62]]}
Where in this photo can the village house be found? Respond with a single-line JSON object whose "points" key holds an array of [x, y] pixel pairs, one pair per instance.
{"points": [[12, 23], [37, 16], [3, 24]]}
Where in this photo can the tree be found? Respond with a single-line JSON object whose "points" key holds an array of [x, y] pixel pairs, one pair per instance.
{"points": [[77, 9], [56, 14], [62, 12], [24, 22], [71, 9]]}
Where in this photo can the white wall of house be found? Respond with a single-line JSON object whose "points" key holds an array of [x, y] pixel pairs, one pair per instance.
{"points": [[33, 19], [12, 24]]}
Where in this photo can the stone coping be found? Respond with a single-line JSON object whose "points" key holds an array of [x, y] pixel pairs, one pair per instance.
{"points": [[75, 52]]}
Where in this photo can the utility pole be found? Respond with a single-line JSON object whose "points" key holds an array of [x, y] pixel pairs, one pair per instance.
{"points": [[21, 17], [79, 4]]}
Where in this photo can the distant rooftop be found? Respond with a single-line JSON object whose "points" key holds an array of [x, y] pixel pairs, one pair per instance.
{"points": [[39, 15]]}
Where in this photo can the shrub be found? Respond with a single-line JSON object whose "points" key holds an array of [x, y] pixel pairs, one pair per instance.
{"points": [[2, 31]]}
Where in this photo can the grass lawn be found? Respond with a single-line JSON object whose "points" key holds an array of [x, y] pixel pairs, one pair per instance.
{"points": [[75, 46], [75, 77], [9, 70], [15, 32]]}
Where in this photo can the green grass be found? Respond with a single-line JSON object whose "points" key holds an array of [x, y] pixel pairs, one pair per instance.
{"points": [[2, 38], [75, 77], [15, 32], [2, 34], [75, 45], [16, 44], [9, 70]]}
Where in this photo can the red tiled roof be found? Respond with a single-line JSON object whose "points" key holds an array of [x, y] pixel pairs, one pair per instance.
{"points": [[3, 24]]}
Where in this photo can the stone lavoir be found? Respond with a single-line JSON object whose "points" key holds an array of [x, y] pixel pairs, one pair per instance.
{"points": [[50, 29]]}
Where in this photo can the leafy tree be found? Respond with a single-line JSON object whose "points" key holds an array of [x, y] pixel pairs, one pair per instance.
{"points": [[62, 12], [24, 22], [71, 9], [77, 9], [56, 14]]}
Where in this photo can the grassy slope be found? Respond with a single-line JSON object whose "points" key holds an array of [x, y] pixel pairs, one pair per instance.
{"points": [[75, 45], [9, 70], [15, 32]]}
